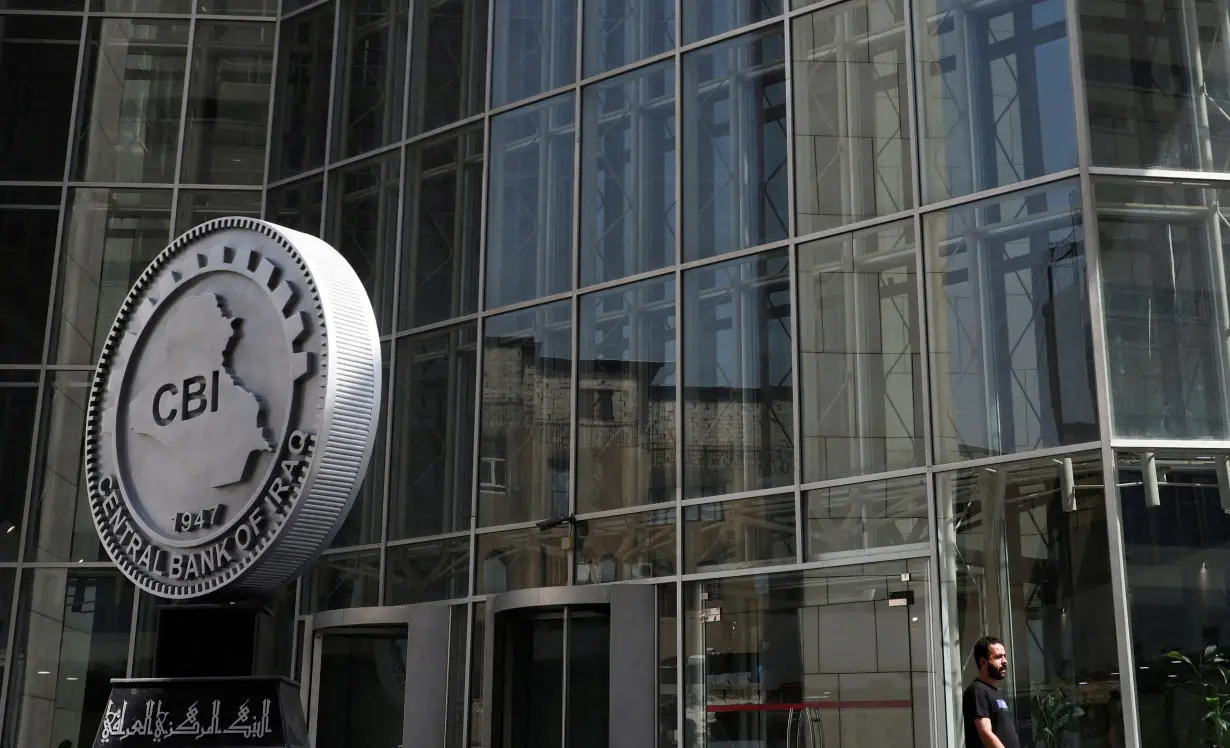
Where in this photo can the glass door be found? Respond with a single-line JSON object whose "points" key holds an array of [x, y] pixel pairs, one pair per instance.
{"points": [[362, 680]]}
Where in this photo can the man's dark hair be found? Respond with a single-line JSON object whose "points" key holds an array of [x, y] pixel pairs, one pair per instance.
{"points": [[982, 649]]}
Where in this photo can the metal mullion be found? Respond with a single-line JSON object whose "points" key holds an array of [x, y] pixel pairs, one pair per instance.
{"points": [[10, 644], [858, 480], [537, 98], [575, 277], [567, 636], [749, 29], [185, 97], [426, 539], [443, 130], [271, 113], [469, 671], [625, 511], [1017, 457], [888, 556], [522, 305], [755, 493], [680, 434], [632, 280], [309, 7], [386, 493], [792, 253], [627, 68], [303, 176], [451, 322], [739, 254], [331, 111]]}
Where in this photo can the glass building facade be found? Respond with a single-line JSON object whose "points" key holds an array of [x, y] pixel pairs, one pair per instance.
{"points": [[745, 360]]}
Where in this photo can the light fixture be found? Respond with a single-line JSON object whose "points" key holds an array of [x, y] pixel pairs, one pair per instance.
{"points": [[1223, 481], [71, 677], [1067, 481], [914, 619], [1148, 469], [44, 672]]}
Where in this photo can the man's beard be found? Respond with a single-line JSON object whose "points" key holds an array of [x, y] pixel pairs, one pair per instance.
{"points": [[998, 673]]}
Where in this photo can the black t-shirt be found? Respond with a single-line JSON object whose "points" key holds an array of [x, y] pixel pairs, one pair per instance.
{"points": [[983, 701]]}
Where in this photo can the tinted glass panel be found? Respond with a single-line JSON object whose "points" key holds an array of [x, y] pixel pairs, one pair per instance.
{"points": [[228, 104], [363, 682], [739, 534], [8, 578], [238, 7], [851, 127], [38, 71], [342, 580], [111, 237], [530, 214], [523, 470], [1012, 361], [995, 93], [362, 226], [428, 571], [142, 6], [520, 559], [630, 546], [198, 206], [301, 118], [373, 75], [734, 145], [296, 206], [738, 432], [433, 438], [862, 381], [18, 406], [620, 32], [28, 224], [535, 48], [865, 516], [128, 127], [705, 18], [449, 70], [626, 429], [628, 174]]}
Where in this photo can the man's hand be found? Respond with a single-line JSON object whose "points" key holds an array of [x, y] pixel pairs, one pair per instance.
{"points": [[989, 739]]}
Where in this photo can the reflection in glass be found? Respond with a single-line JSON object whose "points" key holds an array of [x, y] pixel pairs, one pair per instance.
{"points": [[1164, 287], [851, 108], [363, 681], [995, 94], [734, 145], [448, 79], [668, 666], [862, 381], [18, 405], [815, 658], [443, 215], [478, 644], [198, 206], [362, 225], [228, 103], [1026, 558], [626, 429], [72, 638], [342, 580], [296, 206], [29, 222], [589, 679], [529, 709], [238, 7], [372, 63], [1012, 360], [301, 119], [535, 48], [110, 238], [621, 32], [738, 377], [520, 559], [1157, 83], [628, 174], [866, 516], [38, 72], [1178, 593], [523, 470], [366, 516], [530, 214], [739, 534], [625, 547], [432, 463], [132, 94], [705, 18], [427, 571]]}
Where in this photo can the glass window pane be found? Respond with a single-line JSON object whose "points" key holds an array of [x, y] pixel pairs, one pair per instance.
{"points": [[995, 94], [443, 219], [630, 546], [738, 377], [705, 18], [29, 221], [141, 6], [449, 71], [372, 65], [734, 145], [1021, 567], [1012, 360], [342, 580], [851, 127], [1179, 595], [523, 469], [1164, 250], [628, 175], [859, 320], [808, 658], [128, 129], [521, 559], [41, 5], [530, 215], [111, 237], [851, 520], [626, 430], [38, 71], [301, 118], [72, 639], [362, 225], [428, 571], [18, 408], [198, 206], [238, 7], [535, 48], [433, 434], [361, 687], [228, 104], [739, 534], [363, 523], [296, 206], [620, 32]]}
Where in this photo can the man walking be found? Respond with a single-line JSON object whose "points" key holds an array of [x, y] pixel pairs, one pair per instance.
{"points": [[988, 723]]}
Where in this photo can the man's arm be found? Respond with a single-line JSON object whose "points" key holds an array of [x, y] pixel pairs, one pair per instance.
{"points": [[989, 738]]}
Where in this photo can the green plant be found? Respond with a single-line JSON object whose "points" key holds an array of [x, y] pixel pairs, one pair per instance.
{"points": [[1054, 712], [1211, 683]]}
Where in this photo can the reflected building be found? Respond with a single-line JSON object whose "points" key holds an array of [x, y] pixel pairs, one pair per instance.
{"points": [[745, 361]]}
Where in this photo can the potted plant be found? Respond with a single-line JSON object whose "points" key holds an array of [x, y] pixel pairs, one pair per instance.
{"points": [[1054, 712], [1210, 683]]}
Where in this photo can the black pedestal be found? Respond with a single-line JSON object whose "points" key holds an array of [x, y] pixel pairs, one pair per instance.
{"points": [[209, 640]]}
